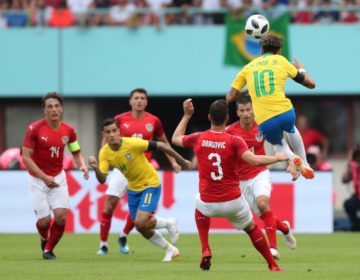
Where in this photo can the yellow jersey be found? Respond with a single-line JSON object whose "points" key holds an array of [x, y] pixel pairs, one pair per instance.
{"points": [[265, 77], [131, 161]]}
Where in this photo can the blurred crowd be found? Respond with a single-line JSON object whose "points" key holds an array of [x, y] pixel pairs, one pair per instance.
{"points": [[133, 13]]}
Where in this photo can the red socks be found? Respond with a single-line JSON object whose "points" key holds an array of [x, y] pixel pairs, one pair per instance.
{"points": [[260, 243], [129, 225], [270, 228], [203, 226], [56, 232], [105, 225], [281, 226], [44, 232]]}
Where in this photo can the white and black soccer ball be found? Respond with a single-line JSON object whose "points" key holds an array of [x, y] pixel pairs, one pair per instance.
{"points": [[256, 26]]}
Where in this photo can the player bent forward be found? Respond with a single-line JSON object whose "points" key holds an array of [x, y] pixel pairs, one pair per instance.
{"points": [[127, 155]]}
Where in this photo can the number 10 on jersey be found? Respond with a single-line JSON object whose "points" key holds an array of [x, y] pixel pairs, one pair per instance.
{"points": [[262, 78]]}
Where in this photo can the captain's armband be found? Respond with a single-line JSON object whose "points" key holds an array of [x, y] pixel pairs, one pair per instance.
{"points": [[74, 146]]}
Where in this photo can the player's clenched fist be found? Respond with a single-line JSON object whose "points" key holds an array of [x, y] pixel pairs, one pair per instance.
{"points": [[93, 162]]}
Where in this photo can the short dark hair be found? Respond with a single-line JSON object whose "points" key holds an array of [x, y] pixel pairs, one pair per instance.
{"points": [[54, 95], [141, 90], [243, 99], [218, 111], [107, 122], [271, 43]]}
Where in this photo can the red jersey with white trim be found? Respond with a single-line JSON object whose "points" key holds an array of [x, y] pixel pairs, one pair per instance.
{"points": [[48, 145], [218, 155], [145, 128], [255, 141]]}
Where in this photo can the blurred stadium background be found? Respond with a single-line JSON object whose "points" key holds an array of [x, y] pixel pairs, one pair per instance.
{"points": [[179, 52]]}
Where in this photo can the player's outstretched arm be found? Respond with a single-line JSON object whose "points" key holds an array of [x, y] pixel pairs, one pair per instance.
{"points": [[303, 77], [80, 163], [260, 160], [101, 177], [165, 148], [32, 166], [232, 95], [174, 164], [180, 130]]}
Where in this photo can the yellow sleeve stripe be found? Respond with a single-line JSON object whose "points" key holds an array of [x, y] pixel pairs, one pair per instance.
{"points": [[74, 146]]}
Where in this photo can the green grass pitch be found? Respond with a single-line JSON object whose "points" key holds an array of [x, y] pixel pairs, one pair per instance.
{"points": [[318, 256]]}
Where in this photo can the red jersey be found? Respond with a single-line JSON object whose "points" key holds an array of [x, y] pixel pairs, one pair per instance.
{"points": [[255, 141], [311, 137], [218, 154], [145, 128], [355, 176], [48, 145]]}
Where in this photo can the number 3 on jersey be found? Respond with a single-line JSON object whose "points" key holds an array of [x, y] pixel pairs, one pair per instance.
{"points": [[217, 163]]}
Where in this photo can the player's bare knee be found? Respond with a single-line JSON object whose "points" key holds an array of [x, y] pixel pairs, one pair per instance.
{"points": [[250, 226], [110, 204], [263, 204], [60, 216], [45, 222], [139, 224]]}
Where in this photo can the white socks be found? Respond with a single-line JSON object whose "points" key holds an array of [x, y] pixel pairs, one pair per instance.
{"points": [[284, 148], [161, 223], [158, 240], [297, 144], [104, 243]]}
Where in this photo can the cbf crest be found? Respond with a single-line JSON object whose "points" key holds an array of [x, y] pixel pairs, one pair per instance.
{"points": [[259, 137], [65, 140], [149, 127], [128, 156]]}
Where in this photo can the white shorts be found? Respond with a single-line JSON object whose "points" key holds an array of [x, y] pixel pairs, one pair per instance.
{"points": [[45, 199], [252, 188], [236, 211], [117, 184]]}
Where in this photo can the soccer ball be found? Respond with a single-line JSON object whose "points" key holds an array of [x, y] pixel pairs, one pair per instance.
{"points": [[256, 26]]}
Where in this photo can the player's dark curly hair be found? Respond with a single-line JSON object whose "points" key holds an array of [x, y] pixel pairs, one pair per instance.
{"points": [[54, 95], [218, 111], [271, 43]]}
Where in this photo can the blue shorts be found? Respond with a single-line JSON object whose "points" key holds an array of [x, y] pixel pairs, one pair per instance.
{"points": [[273, 129], [146, 200]]}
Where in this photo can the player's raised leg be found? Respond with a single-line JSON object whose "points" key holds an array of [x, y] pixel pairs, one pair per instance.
{"points": [[300, 160], [273, 129], [171, 224], [142, 205], [145, 223]]}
